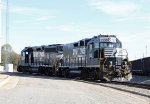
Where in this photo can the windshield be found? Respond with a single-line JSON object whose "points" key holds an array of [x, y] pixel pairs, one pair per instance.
{"points": [[108, 45]]}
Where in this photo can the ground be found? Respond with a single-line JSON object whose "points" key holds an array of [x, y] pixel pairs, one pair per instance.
{"points": [[35, 89]]}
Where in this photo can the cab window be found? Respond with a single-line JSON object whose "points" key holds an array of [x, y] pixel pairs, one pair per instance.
{"points": [[90, 47], [97, 45]]}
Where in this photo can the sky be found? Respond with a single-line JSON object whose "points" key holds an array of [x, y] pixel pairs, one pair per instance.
{"points": [[44, 22]]}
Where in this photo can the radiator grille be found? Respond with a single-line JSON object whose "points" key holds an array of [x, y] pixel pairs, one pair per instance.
{"points": [[109, 52]]}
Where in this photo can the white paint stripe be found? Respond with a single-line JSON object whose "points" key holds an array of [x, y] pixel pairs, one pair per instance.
{"points": [[5, 81]]}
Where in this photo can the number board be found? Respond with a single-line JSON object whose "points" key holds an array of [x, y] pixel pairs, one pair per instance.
{"points": [[107, 39]]}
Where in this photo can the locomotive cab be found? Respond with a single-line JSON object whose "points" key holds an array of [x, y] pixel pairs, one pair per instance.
{"points": [[107, 58], [31, 57]]}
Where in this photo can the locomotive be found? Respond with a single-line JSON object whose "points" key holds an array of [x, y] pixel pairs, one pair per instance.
{"points": [[99, 58], [40, 59]]}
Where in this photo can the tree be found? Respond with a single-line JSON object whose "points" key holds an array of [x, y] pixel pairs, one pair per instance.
{"points": [[7, 51]]}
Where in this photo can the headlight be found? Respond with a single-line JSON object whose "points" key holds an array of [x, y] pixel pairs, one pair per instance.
{"points": [[110, 62], [124, 63]]}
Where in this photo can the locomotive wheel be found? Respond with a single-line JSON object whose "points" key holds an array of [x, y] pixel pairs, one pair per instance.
{"points": [[84, 74], [126, 73], [57, 72], [108, 74], [30, 71], [66, 73], [60, 73], [47, 72], [95, 76], [19, 68], [40, 70], [63, 73]]}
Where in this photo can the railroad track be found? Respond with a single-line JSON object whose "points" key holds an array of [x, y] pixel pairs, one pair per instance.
{"points": [[131, 84], [123, 86]]}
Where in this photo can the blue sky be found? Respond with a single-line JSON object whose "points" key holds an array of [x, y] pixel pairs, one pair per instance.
{"points": [[43, 22]]}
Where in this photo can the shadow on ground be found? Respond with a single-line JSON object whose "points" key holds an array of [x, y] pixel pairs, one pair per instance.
{"points": [[34, 75]]}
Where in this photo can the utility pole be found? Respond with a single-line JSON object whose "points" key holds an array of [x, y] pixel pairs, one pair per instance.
{"points": [[0, 26], [7, 33], [146, 50], [8, 66]]}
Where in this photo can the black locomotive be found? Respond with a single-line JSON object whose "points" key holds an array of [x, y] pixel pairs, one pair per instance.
{"points": [[100, 58]]}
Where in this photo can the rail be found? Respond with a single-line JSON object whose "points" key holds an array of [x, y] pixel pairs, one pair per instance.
{"points": [[132, 84], [124, 89]]}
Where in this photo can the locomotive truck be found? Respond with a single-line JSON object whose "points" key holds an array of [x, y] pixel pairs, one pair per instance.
{"points": [[100, 58]]}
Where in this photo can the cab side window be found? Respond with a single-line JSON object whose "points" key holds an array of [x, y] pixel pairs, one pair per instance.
{"points": [[90, 47]]}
